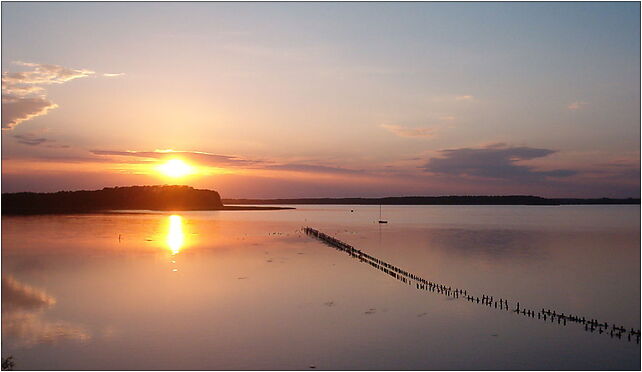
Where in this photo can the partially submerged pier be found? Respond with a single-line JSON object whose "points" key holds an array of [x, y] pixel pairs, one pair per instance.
{"points": [[547, 315]]}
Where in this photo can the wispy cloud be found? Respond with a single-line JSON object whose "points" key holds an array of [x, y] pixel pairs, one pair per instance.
{"points": [[416, 132], [227, 161], [576, 105], [311, 168], [465, 97], [494, 161], [107, 74], [31, 139], [17, 108], [204, 158], [23, 93], [41, 74], [453, 98]]}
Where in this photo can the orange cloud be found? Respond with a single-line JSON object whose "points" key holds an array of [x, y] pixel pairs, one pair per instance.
{"points": [[204, 158]]}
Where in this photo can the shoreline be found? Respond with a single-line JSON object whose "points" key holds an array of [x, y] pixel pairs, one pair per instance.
{"points": [[483, 200], [146, 211]]}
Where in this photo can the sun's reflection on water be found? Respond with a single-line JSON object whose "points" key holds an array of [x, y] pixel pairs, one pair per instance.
{"points": [[175, 234]]}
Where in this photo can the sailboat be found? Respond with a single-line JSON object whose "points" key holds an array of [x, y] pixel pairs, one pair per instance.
{"points": [[380, 220]]}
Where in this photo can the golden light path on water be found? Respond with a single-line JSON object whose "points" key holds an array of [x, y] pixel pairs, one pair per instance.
{"points": [[175, 234]]}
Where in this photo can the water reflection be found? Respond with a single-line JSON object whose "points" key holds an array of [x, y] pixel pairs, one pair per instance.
{"points": [[126, 297], [590, 324], [23, 321], [491, 244], [175, 234]]}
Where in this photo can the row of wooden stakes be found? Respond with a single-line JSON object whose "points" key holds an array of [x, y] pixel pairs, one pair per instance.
{"points": [[590, 325]]}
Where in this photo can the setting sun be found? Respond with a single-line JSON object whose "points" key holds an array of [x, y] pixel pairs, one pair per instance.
{"points": [[176, 168]]}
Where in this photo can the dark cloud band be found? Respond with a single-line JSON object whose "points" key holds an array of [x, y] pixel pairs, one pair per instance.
{"points": [[495, 161]]}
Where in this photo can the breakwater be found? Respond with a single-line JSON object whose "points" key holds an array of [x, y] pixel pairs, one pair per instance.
{"points": [[591, 325]]}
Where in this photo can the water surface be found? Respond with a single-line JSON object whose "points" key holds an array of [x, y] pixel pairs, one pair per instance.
{"points": [[249, 290]]}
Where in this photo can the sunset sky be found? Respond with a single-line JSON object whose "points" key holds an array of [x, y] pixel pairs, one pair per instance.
{"points": [[324, 99]]}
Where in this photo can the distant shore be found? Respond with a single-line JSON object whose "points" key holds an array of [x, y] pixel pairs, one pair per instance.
{"points": [[111, 199], [442, 200], [252, 208], [225, 208], [185, 198]]}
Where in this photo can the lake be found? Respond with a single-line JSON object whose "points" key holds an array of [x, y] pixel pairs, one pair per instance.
{"points": [[249, 290]]}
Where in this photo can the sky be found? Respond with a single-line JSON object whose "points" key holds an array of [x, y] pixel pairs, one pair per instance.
{"points": [[267, 100]]}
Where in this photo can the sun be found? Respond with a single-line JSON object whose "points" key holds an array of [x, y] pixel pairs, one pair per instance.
{"points": [[176, 168]]}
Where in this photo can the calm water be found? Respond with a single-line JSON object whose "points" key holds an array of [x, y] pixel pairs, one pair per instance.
{"points": [[248, 290]]}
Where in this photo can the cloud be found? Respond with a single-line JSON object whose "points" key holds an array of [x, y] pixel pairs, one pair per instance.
{"points": [[42, 74], [21, 90], [494, 161], [310, 168], [23, 94], [30, 139], [576, 105], [216, 160], [402, 131], [16, 109], [107, 74], [464, 98], [204, 158], [450, 99]]}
